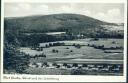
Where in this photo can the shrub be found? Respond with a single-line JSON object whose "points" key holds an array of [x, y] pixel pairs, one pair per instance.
{"points": [[57, 66], [68, 66], [54, 64], [76, 72], [78, 46], [75, 65], [84, 65], [53, 50], [45, 63], [67, 48], [50, 44], [71, 50], [64, 64]]}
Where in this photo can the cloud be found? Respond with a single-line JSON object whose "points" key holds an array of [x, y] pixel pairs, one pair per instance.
{"points": [[41, 9], [44, 6], [86, 12], [67, 9], [12, 9], [112, 15], [25, 9], [73, 9], [24, 6], [114, 12]]}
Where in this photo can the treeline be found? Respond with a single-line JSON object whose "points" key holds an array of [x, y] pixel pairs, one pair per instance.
{"points": [[70, 23], [14, 62], [34, 39]]}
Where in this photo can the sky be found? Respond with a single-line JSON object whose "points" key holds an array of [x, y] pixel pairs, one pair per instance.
{"points": [[109, 12]]}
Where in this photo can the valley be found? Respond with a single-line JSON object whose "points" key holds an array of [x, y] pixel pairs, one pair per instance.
{"points": [[63, 44]]}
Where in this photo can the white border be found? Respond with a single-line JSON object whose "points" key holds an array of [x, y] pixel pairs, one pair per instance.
{"points": [[63, 1], [2, 32], [68, 78]]}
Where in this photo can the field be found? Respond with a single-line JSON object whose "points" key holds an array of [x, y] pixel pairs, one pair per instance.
{"points": [[48, 71], [85, 52], [70, 54]]}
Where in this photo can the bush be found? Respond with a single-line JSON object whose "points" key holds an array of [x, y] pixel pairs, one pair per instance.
{"points": [[50, 44], [75, 65], [53, 50], [45, 63], [78, 46], [68, 66], [57, 66], [67, 48], [71, 50], [76, 72], [64, 64], [46, 46], [54, 64], [84, 65]]}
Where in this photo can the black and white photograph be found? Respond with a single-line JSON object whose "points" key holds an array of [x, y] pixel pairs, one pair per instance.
{"points": [[64, 39]]}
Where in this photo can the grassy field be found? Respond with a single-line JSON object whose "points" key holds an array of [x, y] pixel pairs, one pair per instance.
{"points": [[108, 42], [71, 54], [85, 52], [47, 71]]}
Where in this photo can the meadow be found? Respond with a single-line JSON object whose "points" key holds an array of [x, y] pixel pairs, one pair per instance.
{"points": [[70, 54], [84, 52]]}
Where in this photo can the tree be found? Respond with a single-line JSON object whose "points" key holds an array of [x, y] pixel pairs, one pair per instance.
{"points": [[57, 51], [41, 48], [50, 44], [78, 46], [77, 72], [67, 48], [42, 65], [12, 60], [74, 44], [53, 50], [75, 65], [71, 50], [84, 65], [45, 63], [42, 55], [64, 64], [46, 46], [79, 67], [54, 64], [57, 66], [68, 66], [37, 65]]}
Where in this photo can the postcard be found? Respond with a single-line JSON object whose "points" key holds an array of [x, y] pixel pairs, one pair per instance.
{"points": [[63, 41]]}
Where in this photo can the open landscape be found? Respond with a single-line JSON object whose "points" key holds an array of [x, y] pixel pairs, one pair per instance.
{"points": [[68, 59], [63, 44]]}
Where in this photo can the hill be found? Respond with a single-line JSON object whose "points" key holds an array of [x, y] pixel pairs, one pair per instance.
{"points": [[51, 23], [72, 24]]}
